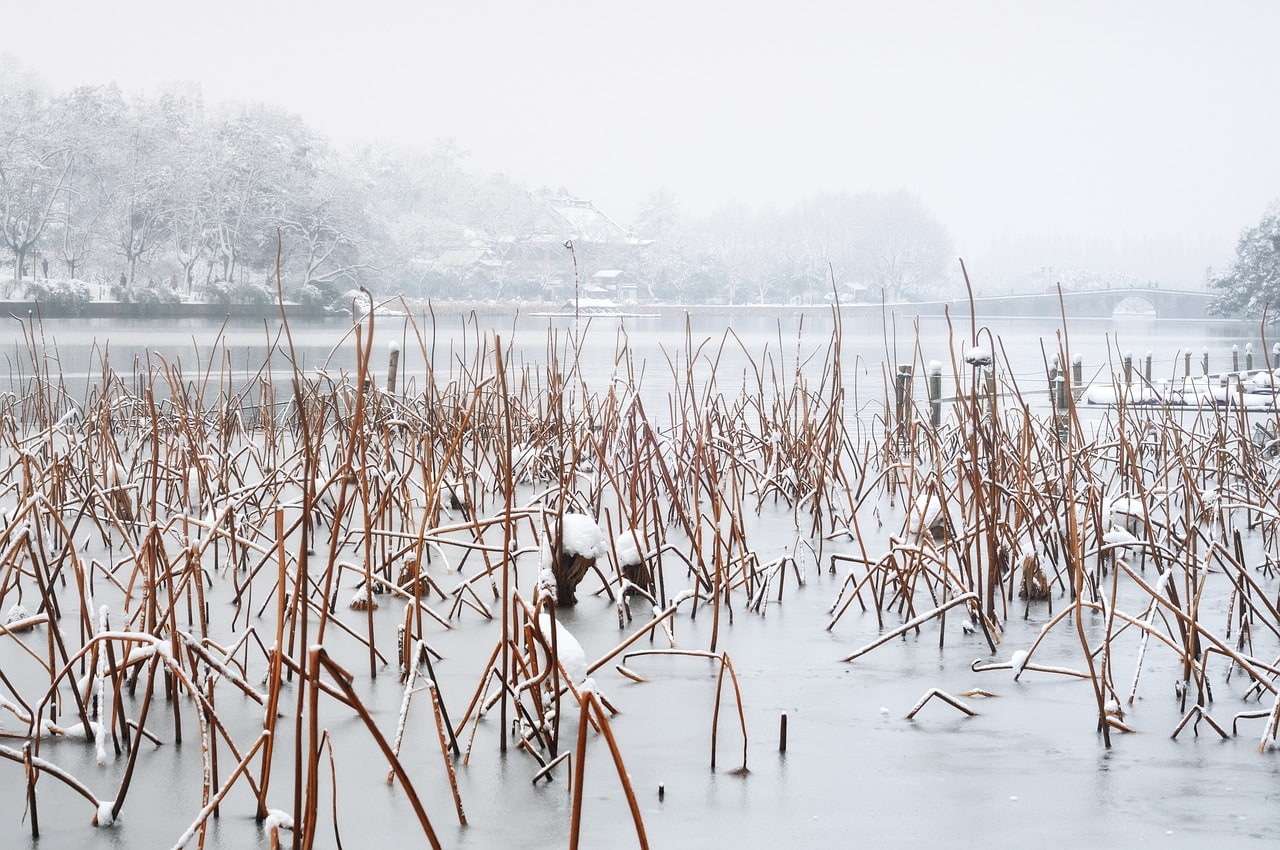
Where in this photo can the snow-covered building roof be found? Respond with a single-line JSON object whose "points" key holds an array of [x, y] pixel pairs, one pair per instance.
{"points": [[583, 220]]}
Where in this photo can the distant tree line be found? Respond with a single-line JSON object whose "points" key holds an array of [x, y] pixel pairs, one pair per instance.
{"points": [[156, 199], [161, 198], [868, 245]]}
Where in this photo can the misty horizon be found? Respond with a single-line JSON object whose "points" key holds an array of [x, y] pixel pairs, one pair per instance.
{"points": [[1130, 139]]}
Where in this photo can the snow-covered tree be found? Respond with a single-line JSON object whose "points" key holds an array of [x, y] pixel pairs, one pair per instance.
{"points": [[1252, 283], [325, 223], [142, 197], [659, 217], [89, 121], [190, 229], [35, 162], [890, 242], [905, 248], [262, 157]]}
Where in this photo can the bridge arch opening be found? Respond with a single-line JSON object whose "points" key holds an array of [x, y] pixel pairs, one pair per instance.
{"points": [[1135, 306]]}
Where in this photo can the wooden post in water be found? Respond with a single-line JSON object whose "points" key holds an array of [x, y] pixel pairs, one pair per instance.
{"points": [[935, 392], [1057, 393], [902, 384], [1128, 368], [1235, 358], [1186, 364], [1077, 372], [1205, 361], [393, 364], [991, 389], [1248, 357], [1147, 370]]}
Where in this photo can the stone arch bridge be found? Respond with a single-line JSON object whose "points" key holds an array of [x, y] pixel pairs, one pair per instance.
{"points": [[1092, 303]]}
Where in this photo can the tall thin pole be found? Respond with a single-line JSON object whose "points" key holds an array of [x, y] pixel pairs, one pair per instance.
{"points": [[506, 537]]}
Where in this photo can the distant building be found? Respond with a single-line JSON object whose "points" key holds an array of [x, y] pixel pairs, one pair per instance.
{"points": [[615, 284], [537, 261]]}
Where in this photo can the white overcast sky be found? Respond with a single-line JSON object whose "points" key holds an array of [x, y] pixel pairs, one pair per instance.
{"points": [[1106, 118]]}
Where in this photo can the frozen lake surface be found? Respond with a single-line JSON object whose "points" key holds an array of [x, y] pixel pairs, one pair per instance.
{"points": [[1030, 766]]}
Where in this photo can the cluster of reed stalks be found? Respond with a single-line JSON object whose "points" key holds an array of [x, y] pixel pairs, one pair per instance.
{"points": [[1124, 520], [496, 490], [309, 500]]}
